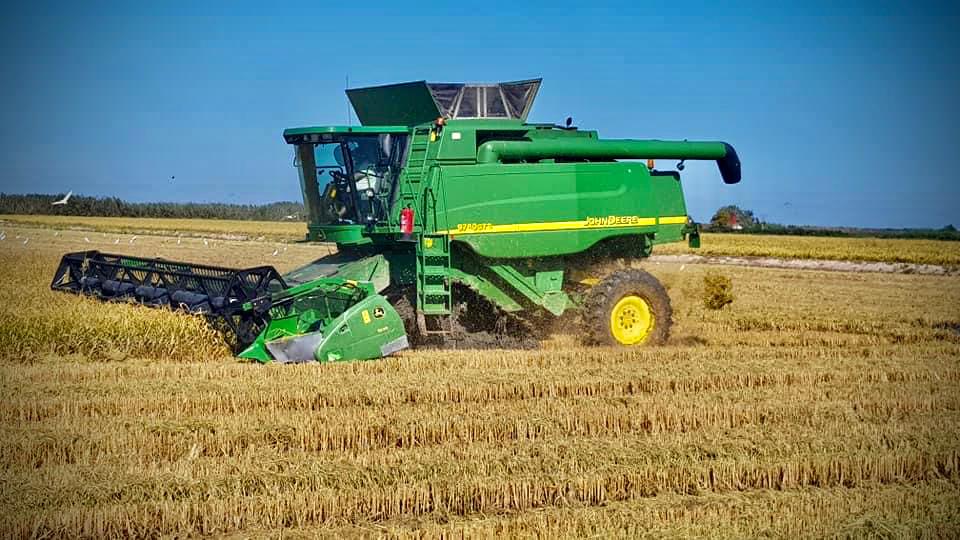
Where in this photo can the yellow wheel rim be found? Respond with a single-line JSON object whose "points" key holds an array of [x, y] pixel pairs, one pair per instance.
{"points": [[631, 320]]}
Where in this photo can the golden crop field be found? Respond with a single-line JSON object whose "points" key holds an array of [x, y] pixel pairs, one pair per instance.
{"points": [[816, 404], [239, 229], [740, 245]]}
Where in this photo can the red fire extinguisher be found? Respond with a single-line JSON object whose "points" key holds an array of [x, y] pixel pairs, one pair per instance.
{"points": [[406, 224]]}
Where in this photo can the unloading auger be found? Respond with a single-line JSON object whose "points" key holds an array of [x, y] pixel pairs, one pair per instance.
{"points": [[452, 215]]}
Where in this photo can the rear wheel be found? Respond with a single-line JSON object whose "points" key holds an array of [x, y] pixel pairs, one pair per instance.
{"points": [[628, 308]]}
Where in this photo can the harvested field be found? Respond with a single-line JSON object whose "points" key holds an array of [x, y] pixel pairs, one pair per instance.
{"points": [[817, 404]]}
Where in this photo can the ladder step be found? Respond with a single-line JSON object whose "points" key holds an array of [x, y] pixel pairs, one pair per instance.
{"points": [[435, 290]]}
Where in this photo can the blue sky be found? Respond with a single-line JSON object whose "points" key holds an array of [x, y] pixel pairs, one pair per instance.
{"points": [[841, 115]]}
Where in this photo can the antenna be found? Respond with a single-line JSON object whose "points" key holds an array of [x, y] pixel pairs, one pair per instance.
{"points": [[346, 85]]}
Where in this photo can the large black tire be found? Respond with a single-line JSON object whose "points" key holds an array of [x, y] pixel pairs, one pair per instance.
{"points": [[627, 285]]}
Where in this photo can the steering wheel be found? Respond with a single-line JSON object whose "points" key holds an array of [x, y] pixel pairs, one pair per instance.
{"points": [[368, 172]]}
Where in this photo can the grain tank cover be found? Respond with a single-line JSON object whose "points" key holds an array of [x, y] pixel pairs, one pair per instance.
{"points": [[418, 102]]}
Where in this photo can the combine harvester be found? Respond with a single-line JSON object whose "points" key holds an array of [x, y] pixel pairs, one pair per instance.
{"points": [[452, 216]]}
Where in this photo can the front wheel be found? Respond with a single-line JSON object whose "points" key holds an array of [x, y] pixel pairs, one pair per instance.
{"points": [[628, 308]]}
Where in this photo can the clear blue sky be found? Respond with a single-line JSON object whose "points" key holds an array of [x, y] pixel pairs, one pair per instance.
{"points": [[842, 116]]}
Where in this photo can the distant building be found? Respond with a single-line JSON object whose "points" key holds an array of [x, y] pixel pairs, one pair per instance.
{"points": [[733, 223]]}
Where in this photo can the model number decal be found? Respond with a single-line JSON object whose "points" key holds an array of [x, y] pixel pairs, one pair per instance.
{"points": [[474, 227]]}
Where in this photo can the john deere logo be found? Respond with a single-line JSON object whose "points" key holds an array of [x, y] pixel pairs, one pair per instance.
{"points": [[612, 220]]}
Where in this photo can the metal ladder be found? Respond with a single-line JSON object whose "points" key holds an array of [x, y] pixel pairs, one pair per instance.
{"points": [[433, 277], [434, 299], [415, 169]]}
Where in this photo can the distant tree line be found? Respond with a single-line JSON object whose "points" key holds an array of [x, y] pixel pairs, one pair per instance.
{"points": [[113, 207], [737, 220]]}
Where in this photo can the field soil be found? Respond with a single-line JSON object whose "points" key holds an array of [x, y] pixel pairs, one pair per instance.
{"points": [[819, 403]]}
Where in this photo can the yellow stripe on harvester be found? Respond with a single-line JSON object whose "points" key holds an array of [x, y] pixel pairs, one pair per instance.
{"points": [[603, 222], [673, 220]]}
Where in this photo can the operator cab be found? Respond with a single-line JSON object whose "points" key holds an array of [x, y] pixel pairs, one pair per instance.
{"points": [[348, 175]]}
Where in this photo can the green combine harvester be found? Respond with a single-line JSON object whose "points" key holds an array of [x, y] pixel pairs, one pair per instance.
{"points": [[453, 217]]}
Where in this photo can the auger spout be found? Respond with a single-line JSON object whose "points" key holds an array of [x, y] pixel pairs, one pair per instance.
{"points": [[582, 148]]}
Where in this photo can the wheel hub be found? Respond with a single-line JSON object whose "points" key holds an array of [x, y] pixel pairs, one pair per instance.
{"points": [[631, 320]]}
